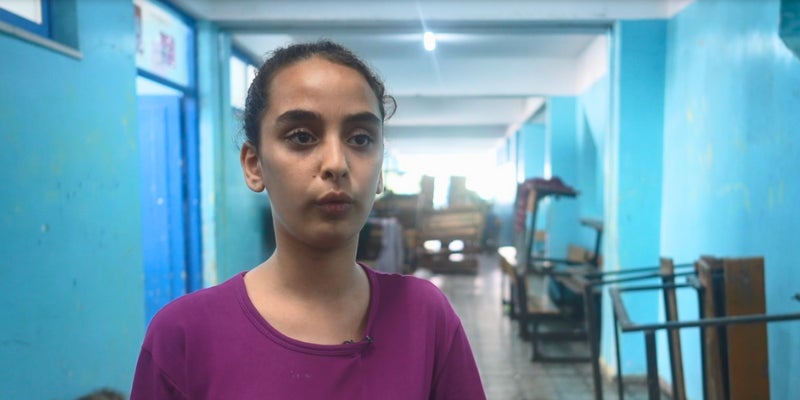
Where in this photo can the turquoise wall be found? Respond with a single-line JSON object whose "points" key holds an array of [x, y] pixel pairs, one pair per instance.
{"points": [[572, 143], [633, 153], [576, 131], [592, 127], [732, 156], [71, 277], [234, 218], [532, 147], [562, 214]]}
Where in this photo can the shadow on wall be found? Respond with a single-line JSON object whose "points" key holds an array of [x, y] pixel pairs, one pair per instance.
{"points": [[790, 25]]}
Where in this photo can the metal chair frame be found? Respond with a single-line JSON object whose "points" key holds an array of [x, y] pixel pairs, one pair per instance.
{"points": [[623, 322]]}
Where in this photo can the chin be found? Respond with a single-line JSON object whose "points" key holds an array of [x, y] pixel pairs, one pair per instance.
{"points": [[333, 239]]}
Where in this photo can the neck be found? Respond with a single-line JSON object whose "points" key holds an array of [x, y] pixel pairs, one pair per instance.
{"points": [[301, 271]]}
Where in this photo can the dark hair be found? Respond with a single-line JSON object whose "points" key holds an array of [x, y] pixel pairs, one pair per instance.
{"points": [[258, 94], [103, 394]]}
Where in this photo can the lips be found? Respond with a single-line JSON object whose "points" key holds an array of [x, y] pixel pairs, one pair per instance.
{"points": [[335, 197], [335, 203]]}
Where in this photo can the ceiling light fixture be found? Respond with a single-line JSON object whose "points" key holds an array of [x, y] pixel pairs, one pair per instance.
{"points": [[429, 39]]}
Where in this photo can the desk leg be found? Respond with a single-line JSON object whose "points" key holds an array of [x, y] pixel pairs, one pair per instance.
{"points": [[653, 389], [620, 384], [593, 334]]}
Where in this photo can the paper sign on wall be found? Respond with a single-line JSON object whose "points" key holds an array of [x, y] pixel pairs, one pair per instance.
{"points": [[162, 43]]}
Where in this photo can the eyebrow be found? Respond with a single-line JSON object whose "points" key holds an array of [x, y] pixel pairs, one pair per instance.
{"points": [[364, 117], [298, 116], [307, 116]]}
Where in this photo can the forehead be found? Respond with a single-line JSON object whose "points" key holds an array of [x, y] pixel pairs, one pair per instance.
{"points": [[318, 79]]}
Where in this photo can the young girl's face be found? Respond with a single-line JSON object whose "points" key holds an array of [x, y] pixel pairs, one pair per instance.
{"points": [[320, 154]]}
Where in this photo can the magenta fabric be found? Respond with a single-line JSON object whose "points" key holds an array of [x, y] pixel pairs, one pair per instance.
{"points": [[213, 344]]}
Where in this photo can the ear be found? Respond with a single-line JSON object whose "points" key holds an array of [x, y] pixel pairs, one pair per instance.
{"points": [[251, 166], [380, 184]]}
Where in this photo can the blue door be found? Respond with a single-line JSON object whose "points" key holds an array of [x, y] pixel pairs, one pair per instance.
{"points": [[163, 200]]}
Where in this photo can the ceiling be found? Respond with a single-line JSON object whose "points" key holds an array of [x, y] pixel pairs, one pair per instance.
{"points": [[494, 63]]}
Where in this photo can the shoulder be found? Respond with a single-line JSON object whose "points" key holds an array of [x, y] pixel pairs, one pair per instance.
{"points": [[210, 296], [410, 293], [183, 331], [408, 285]]}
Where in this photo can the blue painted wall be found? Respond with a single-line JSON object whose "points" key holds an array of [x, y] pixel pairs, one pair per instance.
{"points": [[532, 147], [632, 199], [732, 156], [562, 214], [572, 143], [71, 277], [235, 220], [592, 127], [246, 215]]}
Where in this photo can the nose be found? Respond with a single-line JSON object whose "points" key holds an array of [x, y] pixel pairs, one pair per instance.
{"points": [[334, 160]]}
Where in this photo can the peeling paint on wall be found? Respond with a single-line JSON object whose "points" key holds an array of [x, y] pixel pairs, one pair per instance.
{"points": [[740, 189], [776, 195]]}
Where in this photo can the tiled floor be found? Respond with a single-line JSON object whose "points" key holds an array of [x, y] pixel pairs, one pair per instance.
{"points": [[503, 358]]}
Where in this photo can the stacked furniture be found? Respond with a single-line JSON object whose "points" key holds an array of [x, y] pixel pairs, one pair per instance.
{"points": [[459, 231], [559, 313], [734, 352]]}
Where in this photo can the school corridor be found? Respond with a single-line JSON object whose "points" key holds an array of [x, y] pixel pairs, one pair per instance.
{"points": [[670, 129]]}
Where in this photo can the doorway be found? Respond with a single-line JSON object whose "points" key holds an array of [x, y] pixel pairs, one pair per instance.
{"points": [[169, 194]]}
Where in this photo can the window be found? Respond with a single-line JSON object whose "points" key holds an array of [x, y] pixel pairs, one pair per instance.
{"points": [[241, 74], [31, 15], [52, 24]]}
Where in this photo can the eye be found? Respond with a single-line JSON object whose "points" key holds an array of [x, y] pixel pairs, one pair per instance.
{"points": [[302, 138], [361, 140]]}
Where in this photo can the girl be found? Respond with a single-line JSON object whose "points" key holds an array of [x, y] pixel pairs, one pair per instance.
{"points": [[310, 322]]}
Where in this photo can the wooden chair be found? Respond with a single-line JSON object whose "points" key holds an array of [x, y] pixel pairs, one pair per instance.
{"points": [[508, 264], [534, 303], [568, 276], [533, 311], [735, 357], [547, 317]]}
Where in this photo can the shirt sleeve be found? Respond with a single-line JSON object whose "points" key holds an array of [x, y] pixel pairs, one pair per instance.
{"points": [[151, 383], [458, 377]]}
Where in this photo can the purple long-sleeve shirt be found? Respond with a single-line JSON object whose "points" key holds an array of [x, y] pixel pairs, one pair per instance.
{"points": [[213, 344]]}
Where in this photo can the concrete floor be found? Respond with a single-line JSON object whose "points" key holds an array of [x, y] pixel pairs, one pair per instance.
{"points": [[502, 357]]}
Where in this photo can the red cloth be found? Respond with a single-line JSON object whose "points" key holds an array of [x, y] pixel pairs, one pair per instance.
{"points": [[545, 187]]}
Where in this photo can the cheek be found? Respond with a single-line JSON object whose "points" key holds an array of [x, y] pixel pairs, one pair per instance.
{"points": [[375, 175], [379, 166], [277, 175]]}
